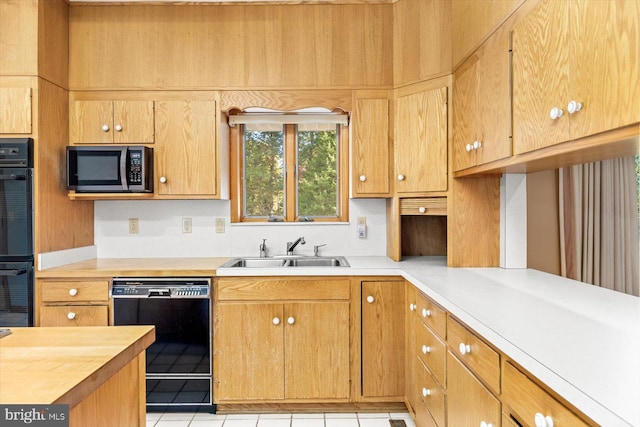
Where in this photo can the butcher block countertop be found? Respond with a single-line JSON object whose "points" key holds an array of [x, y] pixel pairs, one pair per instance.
{"points": [[136, 267], [64, 365]]}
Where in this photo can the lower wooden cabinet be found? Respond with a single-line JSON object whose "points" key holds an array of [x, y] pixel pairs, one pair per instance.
{"points": [[275, 349], [382, 304], [73, 302], [530, 404], [469, 402]]}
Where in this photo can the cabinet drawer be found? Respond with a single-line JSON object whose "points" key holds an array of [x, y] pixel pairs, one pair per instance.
{"points": [[70, 291], [527, 400], [474, 353], [432, 315], [424, 206], [75, 315], [469, 402], [423, 417], [270, 289], [432, 351], [431, 394]]}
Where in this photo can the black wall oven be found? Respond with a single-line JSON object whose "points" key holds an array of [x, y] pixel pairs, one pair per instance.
{"points": [[179, 361], [16, 232]]}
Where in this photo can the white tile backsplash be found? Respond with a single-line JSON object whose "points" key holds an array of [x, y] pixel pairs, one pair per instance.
{"points": [[160, 231]]}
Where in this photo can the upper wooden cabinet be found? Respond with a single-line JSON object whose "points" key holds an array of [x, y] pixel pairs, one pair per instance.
{"points": [[370, 147], [482, 105], [421, 142], [15, 110], [186, 148], [575, 71], [120, 122]]}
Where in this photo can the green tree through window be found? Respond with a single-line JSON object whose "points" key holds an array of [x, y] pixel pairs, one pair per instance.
{"points": [[292, 172]]}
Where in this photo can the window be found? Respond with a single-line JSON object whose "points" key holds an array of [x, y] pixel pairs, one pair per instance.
{"points": [[289, 172]]}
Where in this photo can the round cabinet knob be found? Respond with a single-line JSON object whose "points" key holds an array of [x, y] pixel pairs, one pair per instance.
{"points": [[105, 128], [412, 307], [276, 321], [73, 292], [426, 392], [542, 421], [363, 178], [426, 313], [370, 299], [464, 348], [426, 349], [555, 113], [468, 147], [485, 424], [71, 315], [422, 209], [118, 128], [291, 320], [400, 177], [163, 179], [477, 144], [574, 107]]}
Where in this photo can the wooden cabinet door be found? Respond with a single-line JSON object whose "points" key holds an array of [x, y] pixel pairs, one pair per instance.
{"points": [[185, 148], [466, 113], [370, 148], [411, 358], [316, 350], [382, 346], [494, 95], [540, 75], [133, 122], [605, 64], [91, 122], [248, 351], [421, 142], [468, 401], [15, 110]]}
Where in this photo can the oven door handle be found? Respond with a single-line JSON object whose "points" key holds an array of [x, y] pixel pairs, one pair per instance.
{"points": [[159, 293], [12, 177], [12, 272]]}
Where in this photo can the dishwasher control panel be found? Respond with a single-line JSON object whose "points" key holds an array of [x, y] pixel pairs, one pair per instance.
{"points": [[161, 288]]}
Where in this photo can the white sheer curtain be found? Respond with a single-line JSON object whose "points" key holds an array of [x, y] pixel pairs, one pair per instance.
{"points": [[599, 224]]}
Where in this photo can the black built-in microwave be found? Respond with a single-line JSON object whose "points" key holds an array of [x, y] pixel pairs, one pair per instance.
{"points": [[110, 169]]}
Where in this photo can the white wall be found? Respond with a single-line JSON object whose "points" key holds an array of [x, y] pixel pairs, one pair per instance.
{"points": [[160, 231]]}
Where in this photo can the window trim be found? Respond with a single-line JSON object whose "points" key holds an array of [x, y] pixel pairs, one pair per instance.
{"points": [[236, 171]]}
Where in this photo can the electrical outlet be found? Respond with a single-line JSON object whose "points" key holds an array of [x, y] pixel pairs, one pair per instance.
{"points": [[219, 225], [134, 226], [187, 226]]}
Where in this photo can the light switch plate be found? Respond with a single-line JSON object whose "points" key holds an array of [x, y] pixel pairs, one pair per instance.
{"points": [[134, 226]]}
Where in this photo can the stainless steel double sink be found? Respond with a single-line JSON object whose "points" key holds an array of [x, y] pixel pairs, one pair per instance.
{"points": [[287, 261]]}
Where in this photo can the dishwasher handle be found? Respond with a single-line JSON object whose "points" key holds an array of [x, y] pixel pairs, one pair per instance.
{"points": [[159, 293]]}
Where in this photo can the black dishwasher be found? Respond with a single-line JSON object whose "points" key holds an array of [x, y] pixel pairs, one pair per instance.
{"points": [[179, 361]]}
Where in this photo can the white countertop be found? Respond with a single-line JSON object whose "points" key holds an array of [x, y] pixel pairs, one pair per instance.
{"points": [[581, 340]]}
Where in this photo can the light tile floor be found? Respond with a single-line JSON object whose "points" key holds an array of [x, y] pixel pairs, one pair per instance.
{"points": [[360, 419]]}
